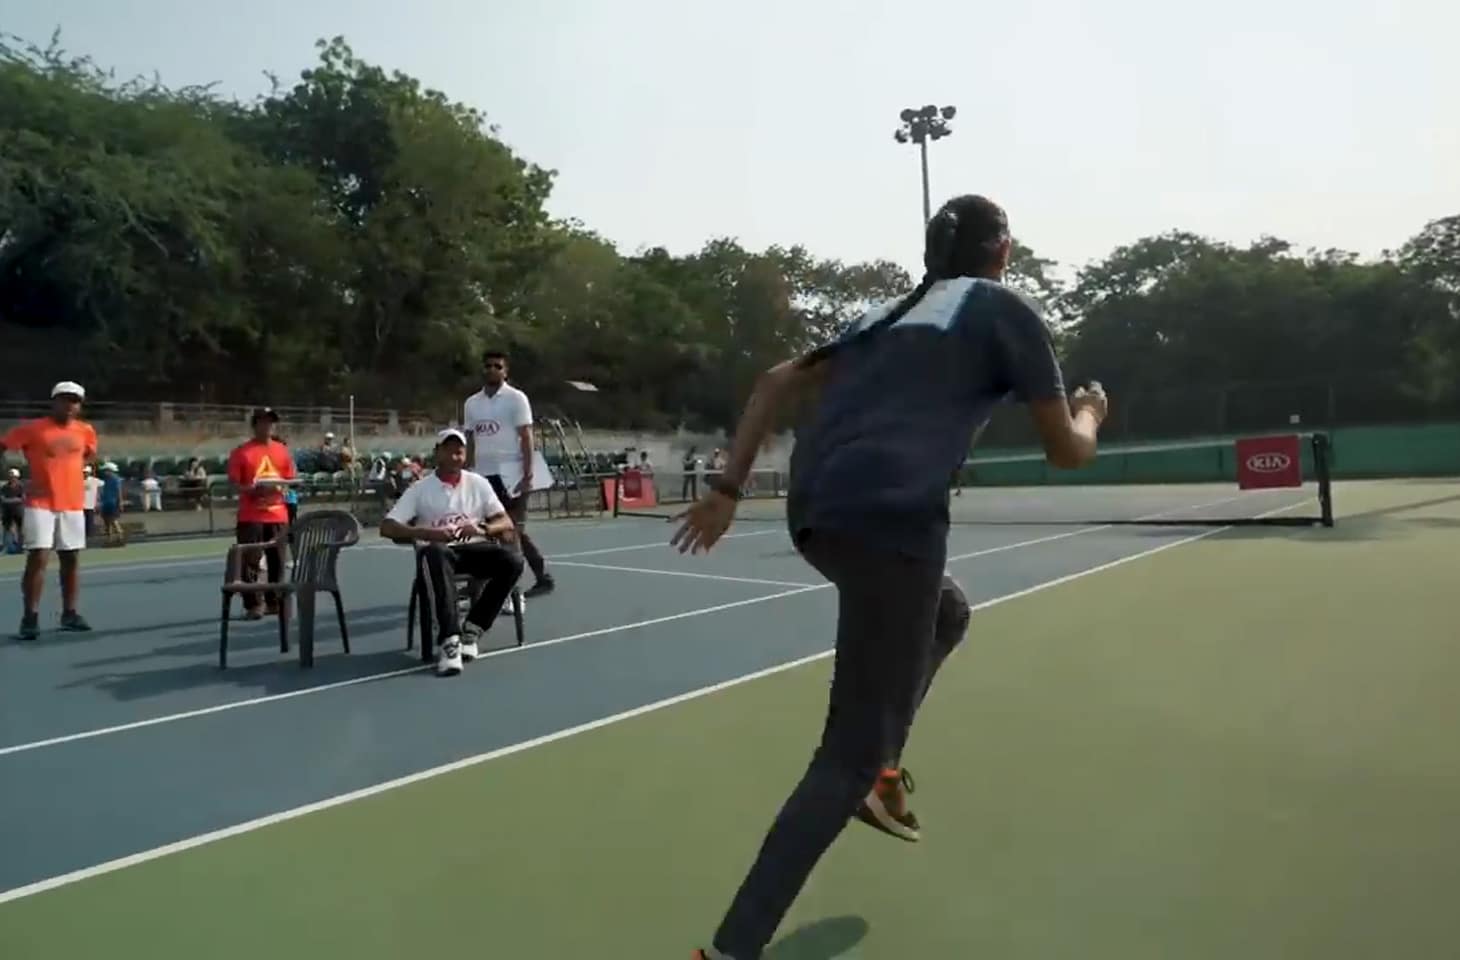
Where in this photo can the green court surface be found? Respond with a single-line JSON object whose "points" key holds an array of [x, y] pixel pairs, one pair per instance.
{"points": [[1243, 747]]}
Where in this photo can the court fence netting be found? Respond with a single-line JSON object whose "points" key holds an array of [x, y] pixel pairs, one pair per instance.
{"points": [[1273, 480]]}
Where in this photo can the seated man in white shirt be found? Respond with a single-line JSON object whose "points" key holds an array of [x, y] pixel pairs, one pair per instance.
{"points": [[451, 512]]}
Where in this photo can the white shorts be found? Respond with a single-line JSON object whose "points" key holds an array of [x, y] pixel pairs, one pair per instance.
{"points": [[47, 530]]}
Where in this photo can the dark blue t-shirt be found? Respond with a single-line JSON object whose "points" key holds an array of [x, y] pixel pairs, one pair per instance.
{"points": [[899, 409], [109, 499]]}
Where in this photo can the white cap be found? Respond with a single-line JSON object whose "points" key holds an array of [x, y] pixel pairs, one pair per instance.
{"points": [[69, 386], [109, 466], [86, 469], [448, 434], [14, 472]]}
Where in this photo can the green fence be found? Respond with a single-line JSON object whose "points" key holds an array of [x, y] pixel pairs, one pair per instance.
{"points": [[1424, 450]]}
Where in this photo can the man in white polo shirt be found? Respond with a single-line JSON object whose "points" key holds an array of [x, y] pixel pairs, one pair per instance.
{"points": [[451, 513], [498, 421]]}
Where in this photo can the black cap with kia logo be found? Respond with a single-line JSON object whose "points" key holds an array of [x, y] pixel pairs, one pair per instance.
{"points": [[263, 413]]}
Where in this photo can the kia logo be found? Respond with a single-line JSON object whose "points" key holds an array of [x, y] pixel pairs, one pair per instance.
{"points": [[1269, 462], [488, 428]]}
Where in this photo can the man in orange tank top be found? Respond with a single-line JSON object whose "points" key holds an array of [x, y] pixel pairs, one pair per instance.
{"points": [[259, 470], [56, 448]]}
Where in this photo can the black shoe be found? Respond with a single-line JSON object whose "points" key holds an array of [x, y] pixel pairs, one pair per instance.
{"points": [[30, 627], [74, 621], [544, 586]]}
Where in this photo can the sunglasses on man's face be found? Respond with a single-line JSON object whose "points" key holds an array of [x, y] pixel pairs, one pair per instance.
{"points": [[496, 365]]}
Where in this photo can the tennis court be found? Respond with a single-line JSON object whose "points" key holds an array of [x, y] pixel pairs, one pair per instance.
{"points": [[1159, 741]]}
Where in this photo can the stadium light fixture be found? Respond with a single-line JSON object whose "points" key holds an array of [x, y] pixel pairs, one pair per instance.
{"points": [[920, 126]]}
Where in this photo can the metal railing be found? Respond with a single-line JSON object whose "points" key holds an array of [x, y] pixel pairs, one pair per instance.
{"points": [[180, 510], [230, 419]]}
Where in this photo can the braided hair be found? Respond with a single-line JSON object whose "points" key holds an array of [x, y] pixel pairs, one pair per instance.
{"points": [[963, 239]]}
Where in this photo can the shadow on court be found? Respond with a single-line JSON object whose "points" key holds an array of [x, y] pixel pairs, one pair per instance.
{"points": [[259, 679], [828, 939], [198, 644]]}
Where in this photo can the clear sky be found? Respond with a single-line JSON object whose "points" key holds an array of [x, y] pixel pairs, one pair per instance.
{"points": [[1330, 124]]}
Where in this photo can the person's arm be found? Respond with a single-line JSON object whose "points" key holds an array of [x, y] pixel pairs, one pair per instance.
{"points": [[235, 472], [14, 438], [499, 525], [1067, 430], [1067, 425], [495, 522], [399, 523], [524, 441], [774, 389]]}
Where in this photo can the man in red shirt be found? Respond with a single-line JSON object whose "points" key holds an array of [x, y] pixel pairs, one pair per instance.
{"points": [[259, 469], [55, 448]]}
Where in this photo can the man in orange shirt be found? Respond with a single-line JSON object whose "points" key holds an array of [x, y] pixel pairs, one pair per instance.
{"points": [[55, 448], [259, 469]]}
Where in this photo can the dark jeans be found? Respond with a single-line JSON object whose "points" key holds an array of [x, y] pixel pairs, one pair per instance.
{"points": [[499, 566], [517, 510], [898, 618], [273, 560]]}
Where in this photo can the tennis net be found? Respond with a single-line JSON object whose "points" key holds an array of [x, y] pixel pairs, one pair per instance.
{"points": [[1210, 483]]}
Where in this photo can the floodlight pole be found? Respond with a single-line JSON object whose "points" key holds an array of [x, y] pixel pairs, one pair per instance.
{"points": [[919, 126], [927, 199]]}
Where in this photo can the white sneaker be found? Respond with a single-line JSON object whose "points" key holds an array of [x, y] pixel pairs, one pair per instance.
{"points": [[448, 661], [469, 650]]}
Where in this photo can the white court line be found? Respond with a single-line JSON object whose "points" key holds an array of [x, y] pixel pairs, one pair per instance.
{"points": [[370, 678], [683, 573], [121, 863], [163, 563], [656, 543]]}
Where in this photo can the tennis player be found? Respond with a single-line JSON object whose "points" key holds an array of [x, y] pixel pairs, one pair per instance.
{"points": [[901, 394], [56, 449]]}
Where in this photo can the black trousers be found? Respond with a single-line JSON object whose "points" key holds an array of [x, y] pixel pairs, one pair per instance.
{"points": [[898, 618], [499, 566], [517, 510], [273, 560]]}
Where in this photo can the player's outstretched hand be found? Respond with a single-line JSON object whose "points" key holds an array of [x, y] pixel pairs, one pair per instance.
{"points": [[704, 523]]}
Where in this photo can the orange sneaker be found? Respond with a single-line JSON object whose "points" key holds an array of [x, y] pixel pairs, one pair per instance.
{"points": [[886, 809]]}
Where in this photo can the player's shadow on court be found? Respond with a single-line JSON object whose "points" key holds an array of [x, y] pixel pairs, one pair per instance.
{"points": [[828, 939]]}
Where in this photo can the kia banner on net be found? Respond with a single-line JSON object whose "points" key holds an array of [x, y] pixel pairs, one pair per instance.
{"points": [[1267, 462]]}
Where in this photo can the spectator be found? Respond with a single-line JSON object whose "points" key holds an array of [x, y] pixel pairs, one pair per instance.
{"points": [[56, 447], [498, 422], [151, 491], [109, 503], [329, 454], [12, 509], [451, 515], [195, 482], [92, 485], [259, 469], [691, 465], [291, 498]]}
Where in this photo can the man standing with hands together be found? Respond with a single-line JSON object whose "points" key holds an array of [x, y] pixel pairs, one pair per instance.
{"points": [[498, 422]]}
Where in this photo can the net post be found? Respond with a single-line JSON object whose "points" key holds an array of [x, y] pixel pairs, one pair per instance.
{"points": [[1321, 449], [618, 493]]}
